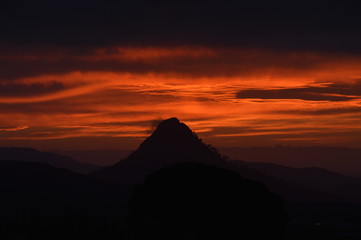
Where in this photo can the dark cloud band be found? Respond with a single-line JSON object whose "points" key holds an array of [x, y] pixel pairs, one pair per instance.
{"points": [[331, 92]]}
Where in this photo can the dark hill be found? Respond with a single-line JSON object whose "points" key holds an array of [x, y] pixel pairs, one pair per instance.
{"points": [[35, 176], [336, 159], [312, 178], [39, 201], [205, 202], [53, 159], [40, 184]]}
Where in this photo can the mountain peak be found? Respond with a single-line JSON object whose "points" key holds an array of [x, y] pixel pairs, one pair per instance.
{"points": [[172, 131], [172, 142], [169, 122]]}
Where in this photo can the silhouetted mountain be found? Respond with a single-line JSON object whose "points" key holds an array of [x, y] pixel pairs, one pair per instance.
{"points": [[170, 143], [173, 142], [55, 160], [337, 159]]}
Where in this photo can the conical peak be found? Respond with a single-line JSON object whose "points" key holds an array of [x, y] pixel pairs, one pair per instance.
{"points": [[172, 130], [172, 142], [171, 122]]}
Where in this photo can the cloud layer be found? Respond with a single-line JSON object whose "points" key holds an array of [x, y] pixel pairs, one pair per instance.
{"points": [[328, 92], [230, 96]]}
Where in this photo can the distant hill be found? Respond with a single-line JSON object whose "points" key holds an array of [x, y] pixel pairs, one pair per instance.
{"points": [[337, 159], [102, 157], [311, 178], [53, 159], [22, 177]]}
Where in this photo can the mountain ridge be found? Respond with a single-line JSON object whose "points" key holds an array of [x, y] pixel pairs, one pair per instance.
{"points": [[337, 159]]}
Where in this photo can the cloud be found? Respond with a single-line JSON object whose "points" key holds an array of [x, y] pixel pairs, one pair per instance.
{"points": [[154, 124], [147, 54], [328, 92], [61, 132], [13, 129], [189, 62], [21, 90], [323, 111]]}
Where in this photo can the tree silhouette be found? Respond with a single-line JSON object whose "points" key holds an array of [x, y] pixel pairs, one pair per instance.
{"points": [[198, 201]]}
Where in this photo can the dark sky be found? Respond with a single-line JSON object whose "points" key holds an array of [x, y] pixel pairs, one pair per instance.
{"points": [[316, 25]]}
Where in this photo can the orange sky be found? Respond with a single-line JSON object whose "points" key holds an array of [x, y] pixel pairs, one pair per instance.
{"points": [[112, 97]]}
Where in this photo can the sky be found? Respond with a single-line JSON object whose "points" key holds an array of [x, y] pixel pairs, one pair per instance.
{"points": [[94, 74]]}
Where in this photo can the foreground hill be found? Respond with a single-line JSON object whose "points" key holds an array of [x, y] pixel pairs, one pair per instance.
{"points": [[205, 202]]}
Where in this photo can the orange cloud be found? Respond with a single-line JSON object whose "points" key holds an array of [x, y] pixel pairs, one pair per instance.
{"points": [[148, 53], [259, 95]]}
